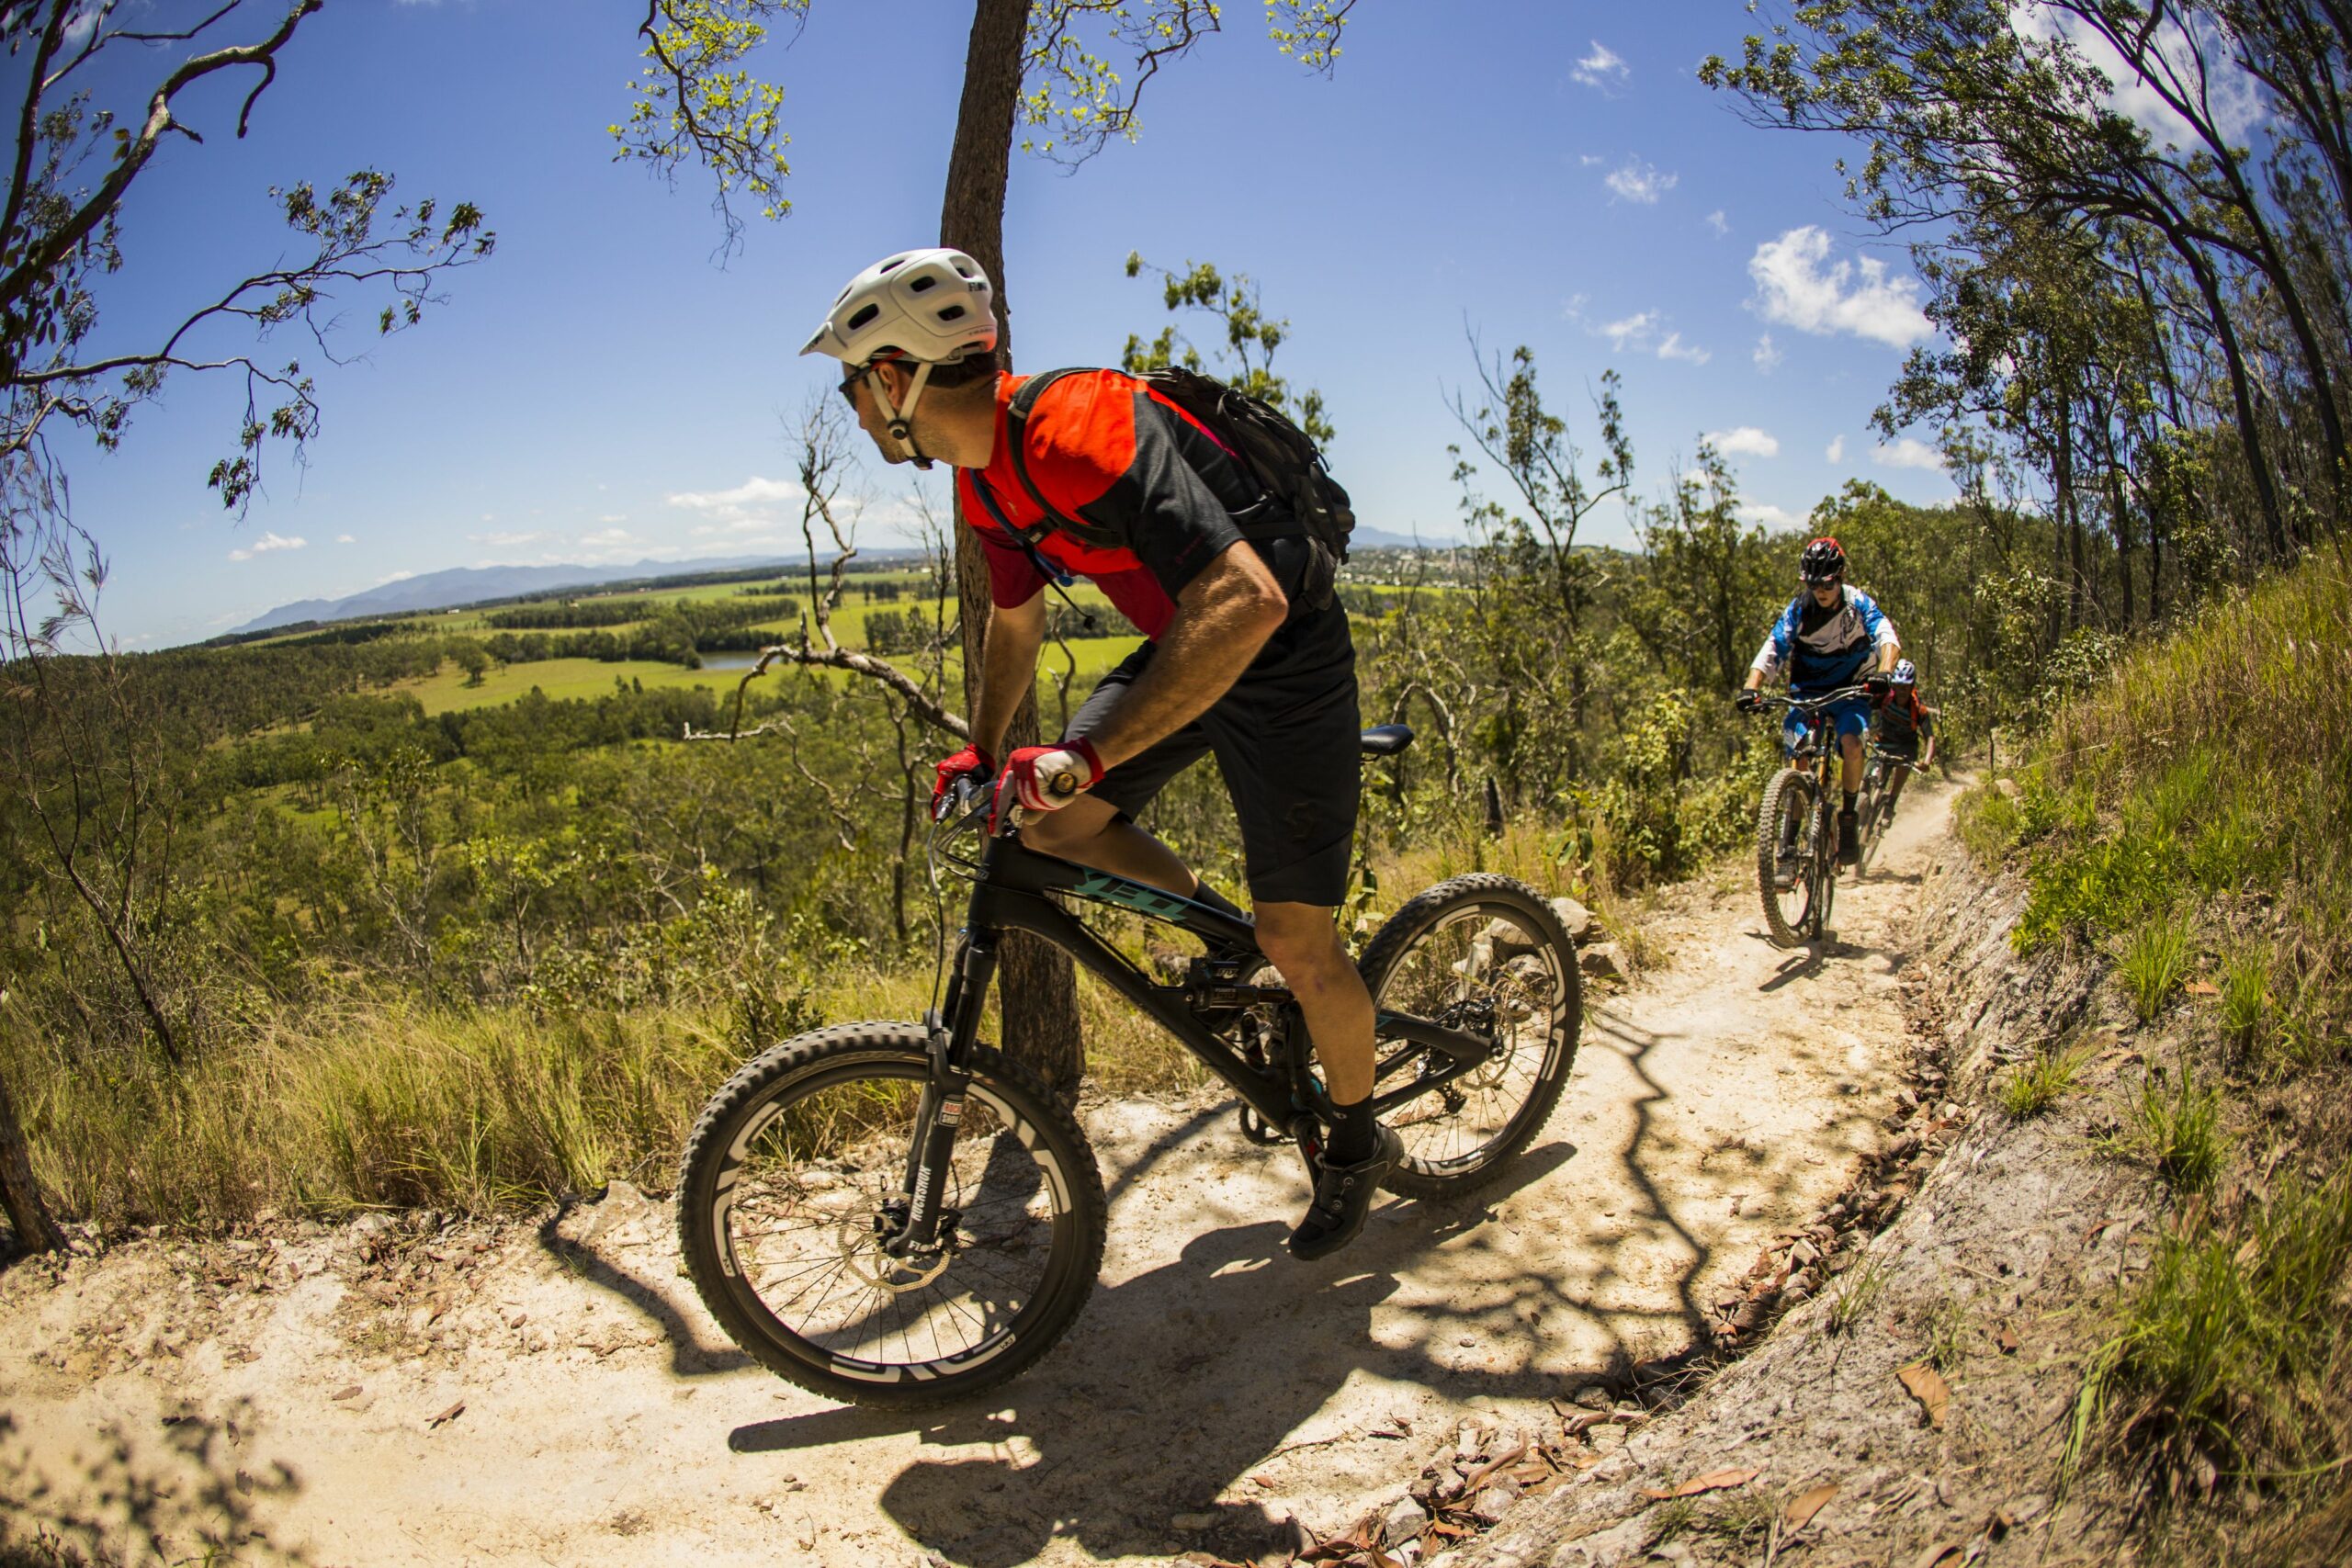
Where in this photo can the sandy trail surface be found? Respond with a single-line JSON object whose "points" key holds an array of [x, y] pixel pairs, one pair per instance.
{"points": [[381, 1393]]}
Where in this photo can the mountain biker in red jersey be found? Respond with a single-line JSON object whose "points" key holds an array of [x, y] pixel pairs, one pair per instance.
{"points": [[1248, 656]]}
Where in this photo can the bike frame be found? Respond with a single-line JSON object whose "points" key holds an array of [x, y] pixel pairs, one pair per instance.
{"points": [[1013, 891]]}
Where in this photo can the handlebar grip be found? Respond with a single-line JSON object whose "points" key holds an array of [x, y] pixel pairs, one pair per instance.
{"points": [[1066, 784]]}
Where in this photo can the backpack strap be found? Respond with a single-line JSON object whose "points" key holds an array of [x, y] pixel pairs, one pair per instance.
{"points": [[1016, 425]]}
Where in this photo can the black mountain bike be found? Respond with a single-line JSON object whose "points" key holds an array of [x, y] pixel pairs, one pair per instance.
{"points": [[1883, 775], [1796, 830], [899, 1214]]}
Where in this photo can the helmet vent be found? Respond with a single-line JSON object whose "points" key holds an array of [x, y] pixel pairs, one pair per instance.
{"points": [[952, 313], [918, 285], [863, 316]]}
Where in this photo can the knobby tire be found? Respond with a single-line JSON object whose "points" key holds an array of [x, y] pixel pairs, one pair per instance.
{"points": [[786, 1139], [1536, 993]]}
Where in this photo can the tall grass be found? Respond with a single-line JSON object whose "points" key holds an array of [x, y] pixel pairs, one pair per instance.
{"points": [[2228, 1348]]}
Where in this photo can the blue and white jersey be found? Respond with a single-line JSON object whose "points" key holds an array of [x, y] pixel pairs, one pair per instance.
{"points": [[1824, 648]]}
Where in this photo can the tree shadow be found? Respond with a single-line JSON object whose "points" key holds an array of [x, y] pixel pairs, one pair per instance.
{"points": [[1211, 1361], [120, 1500]]}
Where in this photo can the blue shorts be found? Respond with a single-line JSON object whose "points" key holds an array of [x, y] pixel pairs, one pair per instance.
{"points": [[1851, 717]]}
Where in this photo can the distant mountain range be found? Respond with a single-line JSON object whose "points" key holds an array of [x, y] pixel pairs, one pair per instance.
{"points": [[479, 584]]}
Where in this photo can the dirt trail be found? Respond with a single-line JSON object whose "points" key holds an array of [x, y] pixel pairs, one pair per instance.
{"points": [[1212, 1390]]}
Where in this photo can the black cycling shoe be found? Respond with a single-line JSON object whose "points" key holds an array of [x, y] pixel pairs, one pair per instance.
{"points": [[1850, 848], [1343, 1195], [1784, 869]]}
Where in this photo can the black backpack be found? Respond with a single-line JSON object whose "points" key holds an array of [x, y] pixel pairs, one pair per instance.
{"points": [[1293, 484]]}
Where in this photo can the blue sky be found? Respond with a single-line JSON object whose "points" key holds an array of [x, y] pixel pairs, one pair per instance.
{"points": [[600, 391]]}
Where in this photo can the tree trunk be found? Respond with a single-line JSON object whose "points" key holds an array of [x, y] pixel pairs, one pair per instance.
{"points": [[36, 1232], [1034, 981]]}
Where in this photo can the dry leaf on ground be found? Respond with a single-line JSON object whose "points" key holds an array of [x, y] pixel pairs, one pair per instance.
{"points": [[449, 1415], [1950, 1552], [1716, 1480], [2202, 988], [1803, 1507], [2009, 1340], [1928, 1386]]}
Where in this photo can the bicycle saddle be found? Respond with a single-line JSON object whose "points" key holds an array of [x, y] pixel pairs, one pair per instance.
{"points": [[1388, 739]]}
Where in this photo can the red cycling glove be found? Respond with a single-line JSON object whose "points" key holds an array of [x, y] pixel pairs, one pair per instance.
{"points": [[1034, 770], [970, 762]]}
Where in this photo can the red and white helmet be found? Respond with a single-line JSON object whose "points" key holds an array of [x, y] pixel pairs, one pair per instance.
{"points": [[934, 306]]}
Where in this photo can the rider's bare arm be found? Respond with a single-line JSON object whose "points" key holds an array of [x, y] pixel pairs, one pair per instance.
{"points": [[1223, 616], [1008, 670]]}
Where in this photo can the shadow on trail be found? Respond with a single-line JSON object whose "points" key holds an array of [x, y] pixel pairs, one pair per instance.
{"points": [[180, 1497], [1212, 1361], [689, 1356]]}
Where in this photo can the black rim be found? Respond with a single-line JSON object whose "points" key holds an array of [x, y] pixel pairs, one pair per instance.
{"points": [[1486, 967]]}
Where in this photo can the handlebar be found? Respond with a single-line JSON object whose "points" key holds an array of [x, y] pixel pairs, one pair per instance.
{"points": [[1811, 704]]}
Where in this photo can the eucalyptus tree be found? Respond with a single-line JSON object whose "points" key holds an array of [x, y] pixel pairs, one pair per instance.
{"points": [[88, 802], [1063, 79], [2012, 113]]}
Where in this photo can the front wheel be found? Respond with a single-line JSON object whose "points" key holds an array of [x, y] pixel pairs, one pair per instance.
{"points": [[793, 1188], [1787, 846], [1487, 955]]}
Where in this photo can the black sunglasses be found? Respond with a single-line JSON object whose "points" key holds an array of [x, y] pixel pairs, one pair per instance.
{"points": [[850, 382]]}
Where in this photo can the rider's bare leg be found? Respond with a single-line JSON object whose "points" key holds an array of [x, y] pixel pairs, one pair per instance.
{"points": [[1092, 833], [1850, 748], [1303, 941]]}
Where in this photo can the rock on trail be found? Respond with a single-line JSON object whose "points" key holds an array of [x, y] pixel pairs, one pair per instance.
{"points": [[384, 1392]]}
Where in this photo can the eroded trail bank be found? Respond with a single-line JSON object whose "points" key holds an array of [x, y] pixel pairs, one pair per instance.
{"points": [[376, 1394]]}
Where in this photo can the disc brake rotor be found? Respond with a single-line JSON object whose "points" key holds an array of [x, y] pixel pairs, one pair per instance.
{"points": [[863, 1254]]}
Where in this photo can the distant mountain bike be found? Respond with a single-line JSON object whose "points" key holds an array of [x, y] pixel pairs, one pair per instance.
{"points": [[897, 1215], [1796, 829], [1884, 773]]}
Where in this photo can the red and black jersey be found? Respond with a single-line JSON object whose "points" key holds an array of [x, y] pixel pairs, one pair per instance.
{"points": [[1108, 453]]}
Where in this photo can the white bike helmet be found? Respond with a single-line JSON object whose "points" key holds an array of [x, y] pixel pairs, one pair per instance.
{"points": [[934, 306]]}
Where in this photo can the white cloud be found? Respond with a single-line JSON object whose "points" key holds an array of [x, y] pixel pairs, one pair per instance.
{"points": [[1909, 452], [756, 500], [614, 517], [1674, 348], [265, 544], [1837, 453], [345, 539], [507, 539], [1639, 180], [1632, 332], [1602, 68], [1587, 159], [392, 577], [1797, 287], [1638, 334], [1745, 439], [1771, 516], [1767, 354], [607, 537], [2234, 102], [1718, 222]]}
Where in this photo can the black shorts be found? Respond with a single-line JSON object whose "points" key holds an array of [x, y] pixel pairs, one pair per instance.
{"points": [[1286, 738]]}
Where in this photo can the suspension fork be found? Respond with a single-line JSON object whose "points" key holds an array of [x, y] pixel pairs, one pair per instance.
{"points": [[951, 1031]]}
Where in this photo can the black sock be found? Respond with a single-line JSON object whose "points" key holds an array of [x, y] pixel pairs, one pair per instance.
{"points": [[1355, 1135], [1204, 894], [1851, 795]]}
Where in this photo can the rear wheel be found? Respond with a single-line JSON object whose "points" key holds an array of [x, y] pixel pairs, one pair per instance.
{"points": [[1488, 955], [1788, 846], [794, 1188]]}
